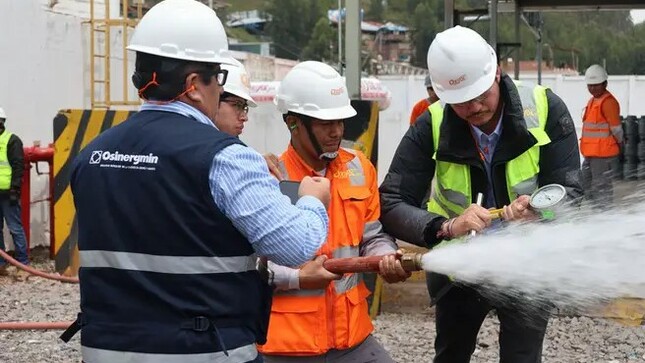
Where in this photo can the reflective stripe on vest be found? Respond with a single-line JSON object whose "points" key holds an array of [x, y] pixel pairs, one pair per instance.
{"points": [[596, 130], [371, 229], [356, 172], [451, 192], [167, 264], [244, 353], [5, 167], [597, 139]]}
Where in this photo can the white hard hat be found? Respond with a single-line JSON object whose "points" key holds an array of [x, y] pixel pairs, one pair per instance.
{"points": [[181, 29], [238, 82], [461, 64], [314, 89], [2, 114], [595, 74]]}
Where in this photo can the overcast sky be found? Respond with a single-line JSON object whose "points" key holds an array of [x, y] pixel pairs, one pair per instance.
{"points": [[638, 16]]}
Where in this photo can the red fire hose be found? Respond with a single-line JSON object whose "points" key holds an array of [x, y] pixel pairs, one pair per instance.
{"points": [[33, 271], [409, 262], [37, 325], [23, 325]]}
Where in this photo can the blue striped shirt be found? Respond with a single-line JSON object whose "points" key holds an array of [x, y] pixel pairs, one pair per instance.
{"points": [[244, 190]]}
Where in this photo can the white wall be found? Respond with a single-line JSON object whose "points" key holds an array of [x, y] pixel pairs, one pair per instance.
{"points": [[41, 69], [44, 67]]}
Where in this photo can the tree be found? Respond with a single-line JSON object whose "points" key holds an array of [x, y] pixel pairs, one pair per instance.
{"points": [[292, 24], [424, 24], [286, 29], [323, 40], [375, 11]]}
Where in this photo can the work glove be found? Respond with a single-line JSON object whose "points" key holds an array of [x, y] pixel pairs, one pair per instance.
{"points": [[14, 197]]}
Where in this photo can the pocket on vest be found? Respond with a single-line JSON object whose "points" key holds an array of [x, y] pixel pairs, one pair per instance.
{"points": [[354, 201], [359, 325], [295, 326]]}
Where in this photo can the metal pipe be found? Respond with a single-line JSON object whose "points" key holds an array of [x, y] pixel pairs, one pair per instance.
{"points": [[340, 38], [108, 54], [518, 39], [449, 13], [124, 73], [493, 25], [353, 49], [92, 53], [409, 261]]}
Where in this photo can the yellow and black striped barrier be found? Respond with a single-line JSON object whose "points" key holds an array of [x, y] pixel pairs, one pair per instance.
{"points": [[73, 130]]}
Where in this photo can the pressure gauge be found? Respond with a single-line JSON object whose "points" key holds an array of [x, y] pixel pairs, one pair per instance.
{"points": [[547, 199]]}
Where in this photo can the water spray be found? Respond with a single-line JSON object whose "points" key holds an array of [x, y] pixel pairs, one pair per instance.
{"points": [[580, 261]]}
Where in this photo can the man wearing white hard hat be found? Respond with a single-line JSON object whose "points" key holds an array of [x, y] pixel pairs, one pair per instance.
{"points": [[234, 103], [12, 168], [422, 106], [602, 137], [492, 138], [319, 316], [173, 213]]}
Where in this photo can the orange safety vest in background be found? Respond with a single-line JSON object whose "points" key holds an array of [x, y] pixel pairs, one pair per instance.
{"points": [[418, 109], [597, 139], [311, 322]]}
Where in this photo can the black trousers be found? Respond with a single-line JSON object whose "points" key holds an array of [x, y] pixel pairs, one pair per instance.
{"points": [[460, 313]]}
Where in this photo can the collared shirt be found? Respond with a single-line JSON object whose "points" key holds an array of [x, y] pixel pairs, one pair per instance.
{"points": [[487, 145], [244, 190]]}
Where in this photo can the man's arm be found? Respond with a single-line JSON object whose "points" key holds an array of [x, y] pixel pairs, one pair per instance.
{"points": [[560, 159], [375, 242], [249, 196], [405, 186], [611, 111], [16, 156]]}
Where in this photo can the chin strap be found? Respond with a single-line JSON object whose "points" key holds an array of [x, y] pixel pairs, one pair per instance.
{"points": [[327, 157]]}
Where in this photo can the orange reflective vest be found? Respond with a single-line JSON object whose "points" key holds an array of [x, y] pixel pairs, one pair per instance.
{"points": [[597, 139], [311, 322]]}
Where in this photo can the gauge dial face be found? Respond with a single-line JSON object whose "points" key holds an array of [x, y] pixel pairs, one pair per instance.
{"points": [[548, 196]]}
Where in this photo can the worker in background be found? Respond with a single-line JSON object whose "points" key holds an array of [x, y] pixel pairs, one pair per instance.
{"points": [[12, 168], [234, 103], [492, 137], [172, 212], [318, 316], [422, 106], [602, 138]]}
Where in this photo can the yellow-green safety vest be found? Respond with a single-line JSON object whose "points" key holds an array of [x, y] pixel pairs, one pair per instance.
{"points": [[5, 167], [451, 189]]}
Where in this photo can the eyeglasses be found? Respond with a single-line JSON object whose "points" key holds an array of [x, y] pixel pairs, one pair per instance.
{"points": [[221, 75], [242, 107], [479, 99]]}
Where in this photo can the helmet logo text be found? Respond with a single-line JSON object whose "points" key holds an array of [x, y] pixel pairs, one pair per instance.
{"points": [[337, 91], [454, 82]]}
